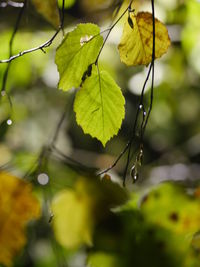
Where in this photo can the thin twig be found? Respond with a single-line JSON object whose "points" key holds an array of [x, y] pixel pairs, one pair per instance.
{"points": [[116, 161], [129, 143], [5, 75], [72, 162], [153, 68], [42, 46], [139, 109], [58, 127], [62, 16], [145, 117]]}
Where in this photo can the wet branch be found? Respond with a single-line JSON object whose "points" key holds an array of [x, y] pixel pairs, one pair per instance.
{"points": [[145, 117]]}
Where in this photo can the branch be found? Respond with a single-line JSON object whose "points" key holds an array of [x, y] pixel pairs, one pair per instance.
{"points": [[42, 46], [51, 150], [72, 163], [5, 75], [140, 108], [67, 108], [153, 67]]}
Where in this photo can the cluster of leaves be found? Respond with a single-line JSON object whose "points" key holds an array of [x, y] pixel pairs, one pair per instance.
{"points": [[99, 104], [162, 226], [161, 231]]}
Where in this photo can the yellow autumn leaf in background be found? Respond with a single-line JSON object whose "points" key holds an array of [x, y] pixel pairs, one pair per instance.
{"points": [[136, 44], [77, 211], [73, 219], [17, 207], [49, 10]]}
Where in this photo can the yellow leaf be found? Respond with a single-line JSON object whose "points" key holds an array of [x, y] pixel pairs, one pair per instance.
{"points": [[73, 220], [136, 44], [49, 10], [77, 211], [17, 207]]}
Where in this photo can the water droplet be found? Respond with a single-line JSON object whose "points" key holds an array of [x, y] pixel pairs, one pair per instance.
{"points": [[85, 39], [135, 178], [3, 93], [134, 173], [9, 122], [140, 157], [43, 179], [145, 113], [140, 106]]}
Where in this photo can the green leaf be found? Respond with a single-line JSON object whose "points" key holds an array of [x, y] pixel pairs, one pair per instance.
{"points": [[99, 106], [76, 53], [49, 10]]}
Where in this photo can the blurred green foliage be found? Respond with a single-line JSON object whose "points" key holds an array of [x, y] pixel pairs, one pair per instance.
{"points": [[159, 224]]}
